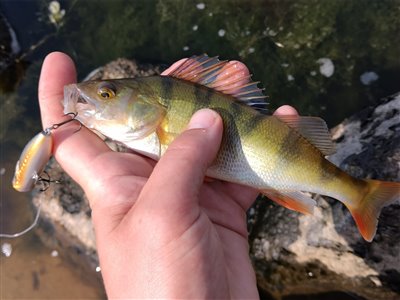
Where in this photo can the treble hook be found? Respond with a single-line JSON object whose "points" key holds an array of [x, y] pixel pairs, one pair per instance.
{"points": [[46, 181], [48, 130]]}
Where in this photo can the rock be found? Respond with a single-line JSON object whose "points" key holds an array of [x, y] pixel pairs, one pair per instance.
{"points": [[295, 254], [123, 68]]}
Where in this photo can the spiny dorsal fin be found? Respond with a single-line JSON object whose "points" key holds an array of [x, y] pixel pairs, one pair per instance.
{"points": [[228, 77], [314, 129]]}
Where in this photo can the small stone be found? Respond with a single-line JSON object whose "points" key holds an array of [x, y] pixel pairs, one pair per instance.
{"points": [[326, 67], [368, 77], [6, 249], [200, 6]]}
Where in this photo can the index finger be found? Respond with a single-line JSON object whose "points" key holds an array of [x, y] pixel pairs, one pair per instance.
{"points": [[80, 147]]}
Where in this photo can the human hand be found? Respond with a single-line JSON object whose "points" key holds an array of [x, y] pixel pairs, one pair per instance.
{"points": [[160, 230]]}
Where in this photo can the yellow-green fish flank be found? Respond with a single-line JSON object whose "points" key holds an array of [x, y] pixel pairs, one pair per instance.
{"points": [[280, 156]]}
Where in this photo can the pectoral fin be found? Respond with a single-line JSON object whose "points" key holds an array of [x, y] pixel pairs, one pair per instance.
{"points": [[296, 201], [148, 146]]}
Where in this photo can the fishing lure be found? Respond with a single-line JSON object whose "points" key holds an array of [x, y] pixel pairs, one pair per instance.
{"points": [[31, 165], [34, 158]]}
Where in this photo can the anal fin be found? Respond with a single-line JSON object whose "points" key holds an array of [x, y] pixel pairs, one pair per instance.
{"points": [[296, 201]]}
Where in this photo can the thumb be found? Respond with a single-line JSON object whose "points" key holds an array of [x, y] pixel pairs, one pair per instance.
{"points": [[179, 174]]}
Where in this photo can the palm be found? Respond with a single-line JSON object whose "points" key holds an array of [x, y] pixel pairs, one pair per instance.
{"points": [[220, 215]]}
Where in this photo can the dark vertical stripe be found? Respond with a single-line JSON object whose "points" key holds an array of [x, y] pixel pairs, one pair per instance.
{"points": [[197, 96], [236, 109], [203, 96], [290, 143], [328, 171], [166, 88], [209, 96], [252, 123]]}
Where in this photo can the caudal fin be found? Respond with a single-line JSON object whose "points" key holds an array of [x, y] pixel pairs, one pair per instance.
{"points": [[380, 194]]}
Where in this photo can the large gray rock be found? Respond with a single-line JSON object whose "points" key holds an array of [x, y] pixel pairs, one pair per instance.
{"points": [[292, 254]]}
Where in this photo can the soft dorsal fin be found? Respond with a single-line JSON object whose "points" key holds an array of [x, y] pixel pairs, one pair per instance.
{"points": [[314, 129], [228, 77]]}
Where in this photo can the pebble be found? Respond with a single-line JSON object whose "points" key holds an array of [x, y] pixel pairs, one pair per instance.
{"points": [[6, 249]]}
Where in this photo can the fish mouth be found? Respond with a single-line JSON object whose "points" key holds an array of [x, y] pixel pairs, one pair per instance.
{"points": [[76, 102]]}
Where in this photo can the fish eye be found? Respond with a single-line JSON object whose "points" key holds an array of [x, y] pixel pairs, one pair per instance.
{"points": [[106, 91]]}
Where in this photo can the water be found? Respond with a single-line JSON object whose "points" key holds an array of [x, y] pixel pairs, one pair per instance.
{"points": [[327, 58]]}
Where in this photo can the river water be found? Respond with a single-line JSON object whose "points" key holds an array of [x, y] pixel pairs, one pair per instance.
{"points": [[327, 58]]}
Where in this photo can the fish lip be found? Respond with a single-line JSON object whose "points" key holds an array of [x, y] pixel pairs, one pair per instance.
{"points": [[73, 95]]}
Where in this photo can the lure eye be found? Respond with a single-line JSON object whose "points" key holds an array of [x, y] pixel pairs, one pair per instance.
{"points": [[106, 91]]}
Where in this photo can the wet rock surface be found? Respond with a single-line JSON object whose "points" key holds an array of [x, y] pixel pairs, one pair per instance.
{"points": [[295, 256]]}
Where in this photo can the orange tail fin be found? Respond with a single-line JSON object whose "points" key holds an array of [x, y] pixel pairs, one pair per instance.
{"points": [[380, 194]]}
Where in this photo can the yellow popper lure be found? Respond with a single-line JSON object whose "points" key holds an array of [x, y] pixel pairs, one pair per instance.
{"points": [[34, 158]]}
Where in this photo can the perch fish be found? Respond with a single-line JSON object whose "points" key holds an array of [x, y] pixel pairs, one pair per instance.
{"points": [[280, 156]]}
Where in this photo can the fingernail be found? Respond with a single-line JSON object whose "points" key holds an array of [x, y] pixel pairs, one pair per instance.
{"points": [[203, 118]]}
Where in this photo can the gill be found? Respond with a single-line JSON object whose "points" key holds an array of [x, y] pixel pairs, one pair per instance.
{"points": [[31, 164]]}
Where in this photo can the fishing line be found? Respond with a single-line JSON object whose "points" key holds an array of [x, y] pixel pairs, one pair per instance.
{"points": [[29, 228]]}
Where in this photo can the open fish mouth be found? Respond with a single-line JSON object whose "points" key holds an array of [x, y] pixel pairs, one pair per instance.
{"points": [[71, 98], [72, 95], [76, 102]]}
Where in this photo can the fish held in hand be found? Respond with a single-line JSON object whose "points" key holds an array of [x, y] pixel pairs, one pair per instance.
{"points": [[280, 156]]}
